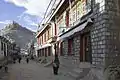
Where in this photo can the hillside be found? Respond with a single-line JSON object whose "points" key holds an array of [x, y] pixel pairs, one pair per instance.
{"points": [[21, 35]]}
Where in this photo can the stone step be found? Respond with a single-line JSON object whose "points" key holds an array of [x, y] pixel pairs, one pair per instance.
{"points": [[78, 73], [78, 70], [75, 73], [48, 64], [84, 65]]}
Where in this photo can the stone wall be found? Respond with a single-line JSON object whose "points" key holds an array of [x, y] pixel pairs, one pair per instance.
{"points": [[76, 43], [105, 32], [112, 56], [113, 28], [65, 47], [98, 41], [71, 61]]}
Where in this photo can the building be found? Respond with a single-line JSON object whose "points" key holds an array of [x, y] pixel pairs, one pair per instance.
{"points": [[6, 50], [88, 37], [46, 39]]}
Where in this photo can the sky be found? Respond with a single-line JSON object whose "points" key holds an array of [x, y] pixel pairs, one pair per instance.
{"points": [[27, 13]]}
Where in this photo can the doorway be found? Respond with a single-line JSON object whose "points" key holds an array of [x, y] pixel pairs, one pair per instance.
{"points": [[85, 48]]}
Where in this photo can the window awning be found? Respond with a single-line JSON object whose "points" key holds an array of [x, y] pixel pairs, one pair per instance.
{"points": [[73, 31], [44, 46]]}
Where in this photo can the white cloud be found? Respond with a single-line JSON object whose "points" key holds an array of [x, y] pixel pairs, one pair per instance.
{"points": [[29, 21], [34, 29], [34, 24], [33, 7], [5, 22]]}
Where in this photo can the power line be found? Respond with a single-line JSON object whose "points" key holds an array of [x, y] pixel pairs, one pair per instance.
{"points": [[55, 8], [46, 10], [51, 8]]}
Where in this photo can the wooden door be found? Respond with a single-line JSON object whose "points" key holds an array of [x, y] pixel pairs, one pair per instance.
{"points": [[85, 48]]}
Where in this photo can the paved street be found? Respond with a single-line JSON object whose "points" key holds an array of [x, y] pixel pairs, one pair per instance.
{"points": [[32, 71]]}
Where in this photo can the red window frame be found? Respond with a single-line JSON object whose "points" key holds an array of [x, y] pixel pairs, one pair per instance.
{"points": [[55, 29], [67, 18], [70, 46]]}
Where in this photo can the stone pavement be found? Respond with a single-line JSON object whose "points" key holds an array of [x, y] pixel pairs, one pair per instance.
{"points": [[3, 74], [32, 71]]}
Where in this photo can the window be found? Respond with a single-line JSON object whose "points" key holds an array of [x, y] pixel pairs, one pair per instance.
{"points": [[1, 45], [61, 50], [67, 19], [49, 51], [42, 39], [38, 41], [55, 30], [48, 34], [88, 5], [45, 50], [70, 42], [45, 37], [73, 15], [119, 3], [118, 7], [83, 7]]}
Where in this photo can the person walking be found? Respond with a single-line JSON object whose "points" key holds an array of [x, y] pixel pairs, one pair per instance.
{"points": [[19, 60], [14, 60], [27, 59], [6, 64], [6, 67], [56, 64]]}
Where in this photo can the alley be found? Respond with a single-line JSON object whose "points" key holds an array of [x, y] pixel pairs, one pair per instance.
{"points": [[32, 71]]}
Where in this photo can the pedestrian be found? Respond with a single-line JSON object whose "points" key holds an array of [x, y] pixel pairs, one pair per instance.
{"points": [[19, 60], [6, 65], [27, 60], [14, 60], [6, 68], [56, 65]]}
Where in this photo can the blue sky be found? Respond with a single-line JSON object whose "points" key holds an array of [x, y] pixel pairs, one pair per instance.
{"points": [[27, 13]]}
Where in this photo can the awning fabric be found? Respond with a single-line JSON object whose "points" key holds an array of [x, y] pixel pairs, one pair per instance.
{"points": [[73, 31]]}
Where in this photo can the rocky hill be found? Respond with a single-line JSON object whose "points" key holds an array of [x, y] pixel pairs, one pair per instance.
{"points": [[21, 35]]}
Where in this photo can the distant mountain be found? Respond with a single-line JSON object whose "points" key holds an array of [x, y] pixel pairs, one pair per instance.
{"points": [[21, 35]]}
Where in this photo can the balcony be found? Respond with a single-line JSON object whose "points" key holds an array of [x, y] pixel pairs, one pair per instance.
{"points": [[52, 39]]}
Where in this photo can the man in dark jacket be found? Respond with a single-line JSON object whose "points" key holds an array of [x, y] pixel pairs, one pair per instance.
{"points": [[19, 59]]}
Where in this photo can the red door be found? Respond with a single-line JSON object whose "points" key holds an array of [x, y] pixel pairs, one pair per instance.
{"points": [[70, 46], [85, 48]]}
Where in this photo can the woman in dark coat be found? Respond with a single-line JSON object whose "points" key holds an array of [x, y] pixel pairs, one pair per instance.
{"points": [[56, 63], [27, 59]]}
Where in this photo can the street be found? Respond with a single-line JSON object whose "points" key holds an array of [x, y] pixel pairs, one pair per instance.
{"points": [[31, 71], [64, 39]]}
